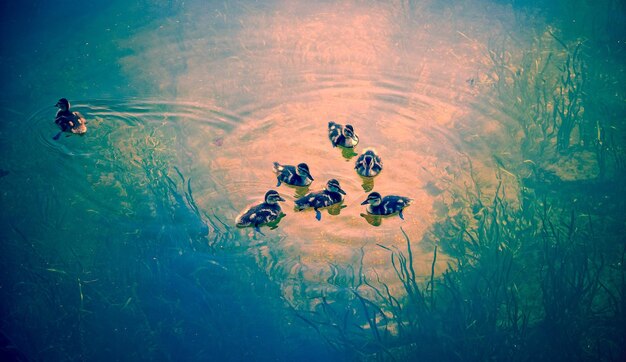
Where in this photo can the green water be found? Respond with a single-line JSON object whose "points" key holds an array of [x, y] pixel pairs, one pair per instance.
{"points": [[503, 121]]}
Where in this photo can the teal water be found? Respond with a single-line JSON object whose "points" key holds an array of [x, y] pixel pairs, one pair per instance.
{"points": [[121, 245]]}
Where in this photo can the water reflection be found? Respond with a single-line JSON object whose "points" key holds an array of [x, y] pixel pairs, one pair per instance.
{"points": [[272, 225], [377, 220], [399, 76], [347, 153], [331, 195], [367, 184], [298, 191], [374, 220], [333, 210], [291, 71], [236, 87]]}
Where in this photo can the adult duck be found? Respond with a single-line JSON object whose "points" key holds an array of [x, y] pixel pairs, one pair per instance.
{"points": [[67, 120]]}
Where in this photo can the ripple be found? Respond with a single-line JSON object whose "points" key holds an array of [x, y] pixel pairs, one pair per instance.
{"points": [[411, 131], [264, 89], [130, 146]]}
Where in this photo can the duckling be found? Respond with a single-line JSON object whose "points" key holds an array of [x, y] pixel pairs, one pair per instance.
{"points": [[294, 176], [386, 205], [264, 213], [67, 120], [331, 195], [369, 164], [343, 136]]}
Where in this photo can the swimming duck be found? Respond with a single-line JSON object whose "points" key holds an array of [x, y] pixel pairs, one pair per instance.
{"points": [[386, 205], [331, 195], [261, 214], [294, 176], [369, 164], [343, 136], [67, 120]]}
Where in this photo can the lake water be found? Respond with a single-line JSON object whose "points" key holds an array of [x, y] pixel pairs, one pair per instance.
{"points": [[121, 245]]}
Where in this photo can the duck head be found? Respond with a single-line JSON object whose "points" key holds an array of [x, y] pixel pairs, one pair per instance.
{"points": [[333, 185], [370, 152], [63, 104], [303, 170], [348, 131], [272, 197], [368, 160], [373, 199]]}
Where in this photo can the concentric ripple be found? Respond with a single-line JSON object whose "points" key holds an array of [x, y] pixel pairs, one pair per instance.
{"points": [[245, 86], [405, 81]]}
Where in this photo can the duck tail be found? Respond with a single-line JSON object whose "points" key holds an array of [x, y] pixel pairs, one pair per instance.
{"points": [[240, 223], [334, 132], [277, 167]]}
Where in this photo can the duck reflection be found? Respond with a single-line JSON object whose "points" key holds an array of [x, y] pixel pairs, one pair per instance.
{"points": [[274, 224], [368, 183], [377, 220], [374, 220], [333, 210], [347, 153], [336, 209], [299, 191]]}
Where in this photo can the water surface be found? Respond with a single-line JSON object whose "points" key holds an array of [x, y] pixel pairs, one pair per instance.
{"points": [[123, 240]]}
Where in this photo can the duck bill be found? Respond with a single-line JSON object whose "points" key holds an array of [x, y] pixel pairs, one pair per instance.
{"points": [[341, 191], [280, 198], [309, 176], [365, 202]]}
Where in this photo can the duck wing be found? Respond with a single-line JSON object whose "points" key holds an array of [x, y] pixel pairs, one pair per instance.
{"points": [[334, 132], [314, 200], [359, 162], [305, 201], [258, 215]]}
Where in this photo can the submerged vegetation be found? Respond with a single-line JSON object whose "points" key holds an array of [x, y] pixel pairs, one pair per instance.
{"points": [[538, 280], [152, 290], [533, 239], [563, 98], [538, 256]]}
